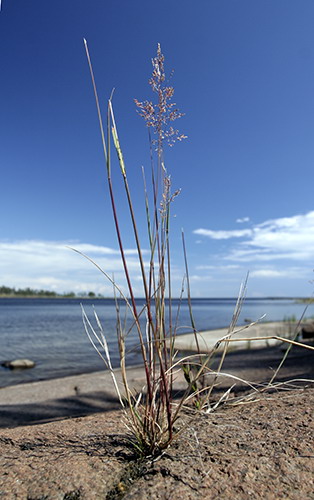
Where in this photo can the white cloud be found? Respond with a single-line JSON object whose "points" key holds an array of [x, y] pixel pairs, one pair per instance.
{"points": [[267, 273], [262, 255], [288, 234], [223, 235], [288, 272], [217, 268], [197, 277], [100, 250], [244, 219], [52, 265], [282, 238]]}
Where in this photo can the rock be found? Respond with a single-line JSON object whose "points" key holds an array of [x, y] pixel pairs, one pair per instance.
{"points": [[18, 364], [307, 330]]}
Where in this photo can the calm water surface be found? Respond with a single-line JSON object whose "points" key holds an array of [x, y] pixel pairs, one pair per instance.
{"points": [[51, 332]]}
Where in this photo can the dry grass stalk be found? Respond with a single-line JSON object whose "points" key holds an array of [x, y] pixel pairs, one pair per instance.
{"points": [[274, 337]]}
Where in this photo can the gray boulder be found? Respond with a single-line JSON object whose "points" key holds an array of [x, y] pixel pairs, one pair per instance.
{"points": [[18, 364], [307, 330]]}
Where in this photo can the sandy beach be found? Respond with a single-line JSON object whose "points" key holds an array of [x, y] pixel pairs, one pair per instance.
{"points": [[90, 393]]}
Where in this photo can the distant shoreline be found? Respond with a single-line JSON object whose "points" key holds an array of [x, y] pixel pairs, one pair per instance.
{"points": [[304, 300], [52, 297]]}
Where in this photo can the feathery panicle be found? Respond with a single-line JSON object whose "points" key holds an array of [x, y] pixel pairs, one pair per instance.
{"points": [[159, 116]]}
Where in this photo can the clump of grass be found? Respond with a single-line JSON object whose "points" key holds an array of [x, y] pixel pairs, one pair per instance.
{"points": [[290, 319], [153, 413]]}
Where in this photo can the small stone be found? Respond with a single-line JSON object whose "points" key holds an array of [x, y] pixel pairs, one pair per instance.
{"points": [[18, 364]]}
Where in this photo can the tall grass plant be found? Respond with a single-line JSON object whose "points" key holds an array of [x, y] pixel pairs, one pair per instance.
{"points": [[152, 414]]}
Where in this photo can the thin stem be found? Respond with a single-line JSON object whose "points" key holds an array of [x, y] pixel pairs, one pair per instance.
{"points": [[290, 346], [96, 99], [274, 337], [127, 276], [235, 317], [189, 293]]}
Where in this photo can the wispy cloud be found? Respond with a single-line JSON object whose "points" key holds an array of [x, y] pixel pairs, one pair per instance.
{"points": [[223, 235], [273, 273], [52, 265], [244, 219], [268, 273], [282, 238], [89, 249], [217, 268]]}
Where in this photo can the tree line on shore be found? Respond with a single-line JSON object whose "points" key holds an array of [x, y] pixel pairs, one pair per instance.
{"points": [[6, 291]]}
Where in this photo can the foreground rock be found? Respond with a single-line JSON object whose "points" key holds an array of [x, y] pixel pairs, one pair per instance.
{"points": [[19, 364], [263, 449], [307, 330]]}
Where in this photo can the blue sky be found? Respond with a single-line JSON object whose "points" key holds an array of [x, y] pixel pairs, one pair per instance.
{"points": [[244, 77]]}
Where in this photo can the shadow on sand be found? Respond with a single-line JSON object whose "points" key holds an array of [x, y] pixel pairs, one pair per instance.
{"points": [[256, 365], [73, 406]]}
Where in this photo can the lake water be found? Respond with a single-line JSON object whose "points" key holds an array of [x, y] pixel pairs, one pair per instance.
{"points": [[51, 332]]}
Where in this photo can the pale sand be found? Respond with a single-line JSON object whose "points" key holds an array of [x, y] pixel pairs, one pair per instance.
{"points": [[208, 339]]}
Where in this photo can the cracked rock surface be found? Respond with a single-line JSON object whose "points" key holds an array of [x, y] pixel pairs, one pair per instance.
{"points": [[262, 449]]}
